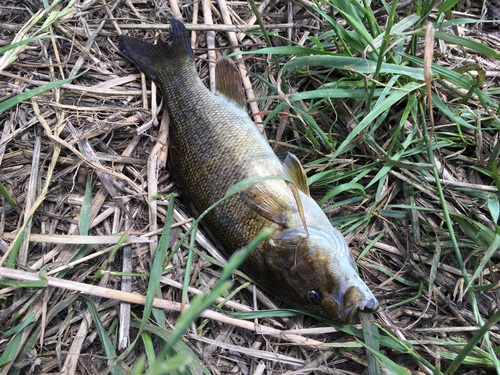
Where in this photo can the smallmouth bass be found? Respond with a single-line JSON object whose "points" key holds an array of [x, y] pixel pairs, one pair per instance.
{"points": [[214, 145]]}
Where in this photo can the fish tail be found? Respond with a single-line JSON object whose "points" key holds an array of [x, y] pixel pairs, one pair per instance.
{"points": [[151, 58]]}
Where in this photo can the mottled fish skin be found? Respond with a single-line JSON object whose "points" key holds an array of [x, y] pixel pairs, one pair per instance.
{"points": [[214, 145]]}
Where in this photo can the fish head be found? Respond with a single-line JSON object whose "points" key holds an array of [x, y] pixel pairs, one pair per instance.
{"points": [[318, 272]]}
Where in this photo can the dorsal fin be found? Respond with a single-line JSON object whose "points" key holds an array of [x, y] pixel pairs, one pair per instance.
{"points": [[294, 170], [228, 82], [151, 58]]}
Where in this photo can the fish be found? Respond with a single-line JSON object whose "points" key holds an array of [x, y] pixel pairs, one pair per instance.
{"points": [[213, 145]]}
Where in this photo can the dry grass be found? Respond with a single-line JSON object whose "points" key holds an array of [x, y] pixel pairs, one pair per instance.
{"points": [[83, 160]]}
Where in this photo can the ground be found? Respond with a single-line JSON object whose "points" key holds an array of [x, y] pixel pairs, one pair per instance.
{"points": [[84, 155]]}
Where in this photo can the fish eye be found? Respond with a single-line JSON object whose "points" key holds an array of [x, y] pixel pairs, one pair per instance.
{"points": [[315, 297]]}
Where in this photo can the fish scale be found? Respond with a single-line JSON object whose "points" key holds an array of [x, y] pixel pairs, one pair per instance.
{"points": [[214, 145]]}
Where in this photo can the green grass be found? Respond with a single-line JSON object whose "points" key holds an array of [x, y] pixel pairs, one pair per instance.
{"points": [[396, 82]]}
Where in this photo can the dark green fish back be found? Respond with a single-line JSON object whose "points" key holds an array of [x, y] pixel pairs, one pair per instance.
{"points": [[205, 165]]}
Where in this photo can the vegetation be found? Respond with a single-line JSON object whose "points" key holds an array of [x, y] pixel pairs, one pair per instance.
{"points": [[391, 107]]}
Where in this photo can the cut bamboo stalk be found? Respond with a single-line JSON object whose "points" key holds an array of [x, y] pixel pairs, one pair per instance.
{"points": [[212, 56], [80, 240], [159, 303], [241, 64], [30, 198]]}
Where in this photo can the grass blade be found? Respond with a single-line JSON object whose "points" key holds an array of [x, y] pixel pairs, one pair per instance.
{"points": [[13, 348], [103, 335], [84, 219], [372, 340], [157, 268], [18, 99], [472, 343]]}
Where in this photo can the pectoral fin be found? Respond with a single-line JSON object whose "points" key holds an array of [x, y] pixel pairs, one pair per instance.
{"points": [[294, 170], [266, 205], [228, 83]]}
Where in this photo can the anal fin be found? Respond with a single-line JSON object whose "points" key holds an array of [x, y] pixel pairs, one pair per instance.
{"points": [[228, 82]]}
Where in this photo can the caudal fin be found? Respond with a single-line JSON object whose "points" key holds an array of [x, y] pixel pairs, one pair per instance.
{"points": [[152, 58]]}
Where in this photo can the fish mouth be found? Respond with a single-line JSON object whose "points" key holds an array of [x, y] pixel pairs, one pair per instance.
{"points": [[352, 301]]}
